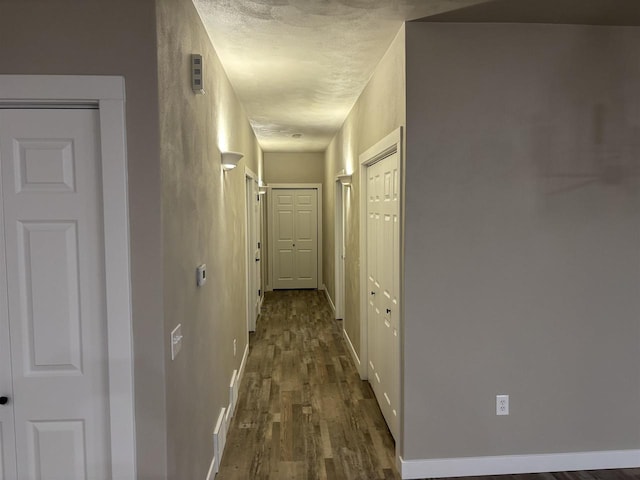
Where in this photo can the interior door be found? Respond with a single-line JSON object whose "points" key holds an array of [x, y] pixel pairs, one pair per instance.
{"points": [[383, 282], [295, 234], [51, 200], [253, 258]]}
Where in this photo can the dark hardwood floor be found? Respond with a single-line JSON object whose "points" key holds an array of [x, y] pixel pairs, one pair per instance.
{"points": [[304, 414]]}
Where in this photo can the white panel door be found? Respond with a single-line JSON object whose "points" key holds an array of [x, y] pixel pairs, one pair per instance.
{"points": [[253, 258], [295, 234], [51, 199], [383, 282]]}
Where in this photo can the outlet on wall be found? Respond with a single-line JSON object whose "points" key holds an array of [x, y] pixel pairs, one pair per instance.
{"points": [[502, 404], [235, 347]]}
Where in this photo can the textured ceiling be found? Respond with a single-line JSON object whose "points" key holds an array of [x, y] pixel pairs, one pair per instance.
{"points": [[298, 66]]}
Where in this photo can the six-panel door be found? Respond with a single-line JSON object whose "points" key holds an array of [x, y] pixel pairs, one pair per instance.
{"points": [[51, 199], [295, 234]]}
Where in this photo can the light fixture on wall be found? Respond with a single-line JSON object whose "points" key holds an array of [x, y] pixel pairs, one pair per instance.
{"points": [[345, 179], [230, 160]]}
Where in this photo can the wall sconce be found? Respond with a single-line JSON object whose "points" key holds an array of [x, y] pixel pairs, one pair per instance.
{"points": [[230, 160], [345, 179]]}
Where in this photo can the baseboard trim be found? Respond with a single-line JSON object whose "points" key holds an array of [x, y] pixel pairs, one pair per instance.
{"points": [[226, 414], [212, 469], [515, 464], [352, 350], [243, 363], [331, 304]]}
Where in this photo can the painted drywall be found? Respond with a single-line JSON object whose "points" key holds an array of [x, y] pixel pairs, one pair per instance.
{"points": [[115, 37], [299, 167], [203, 220], [380, 109], [522, 227]]}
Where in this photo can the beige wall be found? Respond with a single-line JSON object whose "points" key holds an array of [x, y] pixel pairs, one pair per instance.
{"points": [[380, 109], [115, 37], [203, 211], [299, 167], [522, 227]]}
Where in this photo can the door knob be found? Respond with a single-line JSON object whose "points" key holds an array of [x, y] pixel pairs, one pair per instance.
{"points": [[257, 259], [4, 400], [373, 293], [388, 311]]}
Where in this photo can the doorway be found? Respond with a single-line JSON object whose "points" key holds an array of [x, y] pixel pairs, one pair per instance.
{"points": [[67, 406], [295, 228], [340, 248], [380, 255], [254, 249]]}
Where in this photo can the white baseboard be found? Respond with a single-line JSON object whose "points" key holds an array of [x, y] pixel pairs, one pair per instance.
{"points": [[326, 294], [352, 350], [243, 363], [226, 414], [514, 464], [213, 468]]}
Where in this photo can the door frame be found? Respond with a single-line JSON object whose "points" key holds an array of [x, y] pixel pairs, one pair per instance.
{"points": [[309, 186], [107, 93], [250, 252], [389, 145], [339, 242]]}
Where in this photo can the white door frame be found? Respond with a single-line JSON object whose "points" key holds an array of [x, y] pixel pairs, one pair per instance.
{"points": [[387, 146], [339, 242], [273, 186], [108, 94], [249, 249]]}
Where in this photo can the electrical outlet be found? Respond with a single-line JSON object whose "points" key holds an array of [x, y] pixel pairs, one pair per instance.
{"points": [[502, 404], [235, 346]]}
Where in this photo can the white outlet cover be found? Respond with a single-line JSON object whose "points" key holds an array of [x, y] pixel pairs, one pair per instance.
{"points": [[502, 404], [176, 341]]}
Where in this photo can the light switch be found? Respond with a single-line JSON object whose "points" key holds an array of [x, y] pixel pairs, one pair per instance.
{"points": [[176, 341], [201, 275]]}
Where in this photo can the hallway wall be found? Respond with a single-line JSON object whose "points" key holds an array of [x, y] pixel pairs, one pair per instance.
{"points": [[76, 37], [298, 167], [522, 228], [380, 109], [203, 219]]}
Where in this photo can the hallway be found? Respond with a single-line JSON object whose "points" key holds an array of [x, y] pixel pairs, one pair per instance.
{"points": [[303, 412]]}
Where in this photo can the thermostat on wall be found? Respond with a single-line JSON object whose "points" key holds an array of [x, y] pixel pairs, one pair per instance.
{"points": [[201, 275]]}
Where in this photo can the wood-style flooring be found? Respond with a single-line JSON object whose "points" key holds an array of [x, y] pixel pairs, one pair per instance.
{"points": [[304, 414]]}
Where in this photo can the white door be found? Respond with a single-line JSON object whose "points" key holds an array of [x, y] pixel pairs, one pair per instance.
{"points": [[295, 234], [253, 252], [340, 248], [54, 266], [383, 283]]}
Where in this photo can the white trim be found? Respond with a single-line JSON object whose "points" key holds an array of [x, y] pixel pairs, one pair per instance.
{"points": [[273, 186], [515, 464], [369, 157], [108, 92], [352, 350], [326, 294], [339, 249], [243, 363], [213, 468], [249, 253]]}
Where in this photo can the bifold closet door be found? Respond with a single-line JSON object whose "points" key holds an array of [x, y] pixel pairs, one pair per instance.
{"points": [[295, 235], [383, 283]]}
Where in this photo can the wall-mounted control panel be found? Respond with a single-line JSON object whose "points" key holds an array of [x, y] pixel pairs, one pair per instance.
{"points": [[201, 275], [197, 77]]}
